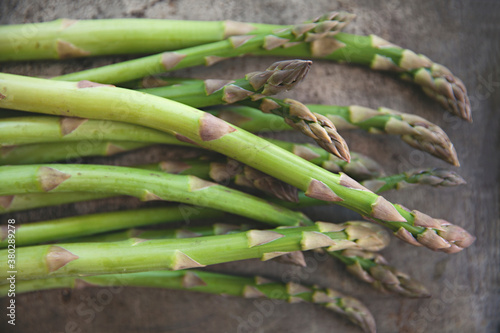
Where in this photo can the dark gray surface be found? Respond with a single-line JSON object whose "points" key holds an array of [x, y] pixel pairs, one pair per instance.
{"points": [[463, 35]]}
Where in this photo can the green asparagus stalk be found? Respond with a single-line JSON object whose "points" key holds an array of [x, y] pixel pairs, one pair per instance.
{"points": [[144, 184], [19, 202], [361, 167], [89, 100], [66, 38], [44, 129], [135, 255], [434, 177], [297, 115], [185, 232], [64, 151], [214, 283], [436, 80], [209, 54], [279, 77], [17, 132], [373, 268], [224, 171], [414, 130], [78, 226], [368, 266]]}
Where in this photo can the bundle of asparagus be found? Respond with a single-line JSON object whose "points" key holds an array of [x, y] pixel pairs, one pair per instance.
{"points": [[159, 110]]}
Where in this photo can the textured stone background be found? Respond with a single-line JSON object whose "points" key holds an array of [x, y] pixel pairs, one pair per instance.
{"points": [[463, 35]]}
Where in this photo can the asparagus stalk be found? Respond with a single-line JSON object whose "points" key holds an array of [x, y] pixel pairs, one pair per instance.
{"points": [[434, 177], [296, 114], [279, 77], [224, 171], [373, 268], [414, 130], [215, 283], [16, 133], [143, 184], [77, 259], [66, 38], [437, 81], [49, 129], [90, 100], [78, 226], [209, 54], [361, 167], [368, 266], [185, 232], [19, 202], [64, 151]]}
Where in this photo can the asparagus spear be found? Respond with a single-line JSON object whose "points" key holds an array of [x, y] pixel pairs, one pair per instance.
{"points": [[19, 202], [143, 184], [89, 100], [361, 167], [63, 151], [214, 283], [66, 38], [436, 80], [433, 177], [209, 54], [373, 268], [368, 266], [18, 131], [414, 130], [78, 226], [184, 232], [48, 129], [296, 114], [76, 259], [279, 77]]}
